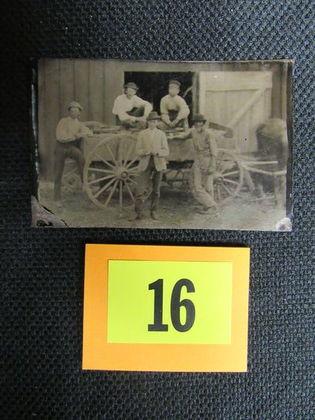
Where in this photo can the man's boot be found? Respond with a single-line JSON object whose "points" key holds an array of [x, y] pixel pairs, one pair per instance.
{"points": [[154, 205], [139, 210], [139, 216]]}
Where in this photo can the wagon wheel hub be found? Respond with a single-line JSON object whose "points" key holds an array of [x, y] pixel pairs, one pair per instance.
{"points": [[122, 173], [218, 177]]}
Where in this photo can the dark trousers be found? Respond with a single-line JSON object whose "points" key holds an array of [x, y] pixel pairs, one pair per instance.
{"points": [[62, 152], [148, 184], [172, 116], [135, 112]]}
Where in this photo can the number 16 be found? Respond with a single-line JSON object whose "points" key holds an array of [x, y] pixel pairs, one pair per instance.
{"points": [[176, 303]]}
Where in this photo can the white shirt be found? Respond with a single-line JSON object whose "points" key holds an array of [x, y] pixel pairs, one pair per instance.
{"points": [[153, 146], [152, 141], [123, 104], [174, 103], [69, 129]]}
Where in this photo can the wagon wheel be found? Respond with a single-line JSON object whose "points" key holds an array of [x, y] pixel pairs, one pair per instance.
{"points": [[228, 178], [105, 177]]}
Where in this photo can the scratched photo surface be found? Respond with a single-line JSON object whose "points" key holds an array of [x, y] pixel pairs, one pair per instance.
{"points": [[187, 145]]}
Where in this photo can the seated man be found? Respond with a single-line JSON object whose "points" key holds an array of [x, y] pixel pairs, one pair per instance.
{"points": [[152, 148], [69, 133], [129, 107], [174, 109]]}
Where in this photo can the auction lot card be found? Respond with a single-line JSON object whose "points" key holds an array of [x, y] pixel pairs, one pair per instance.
{"points": [[165, 308], [157, 144]]}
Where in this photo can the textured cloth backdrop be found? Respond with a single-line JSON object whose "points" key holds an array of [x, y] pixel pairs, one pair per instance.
{"points": [[42, 270]]}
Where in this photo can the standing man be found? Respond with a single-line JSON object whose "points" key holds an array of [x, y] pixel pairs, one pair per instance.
{"points": [[174, 109], [129, 107], [152, 148], [69, 133], [204, 167]]}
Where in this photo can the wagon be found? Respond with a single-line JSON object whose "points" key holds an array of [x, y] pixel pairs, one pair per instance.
{"points": [[110, 171]]}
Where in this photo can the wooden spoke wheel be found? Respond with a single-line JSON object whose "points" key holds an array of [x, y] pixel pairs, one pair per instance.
{"points": [[228, 178], [110, 171]]}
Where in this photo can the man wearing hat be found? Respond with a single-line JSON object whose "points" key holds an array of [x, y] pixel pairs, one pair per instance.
{"points": [[129, 107], [69, 133], [152, 148], [204, 166], [174, 109]]}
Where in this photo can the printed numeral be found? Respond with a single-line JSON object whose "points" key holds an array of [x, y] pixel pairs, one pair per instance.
{"points": [[176, 304]]}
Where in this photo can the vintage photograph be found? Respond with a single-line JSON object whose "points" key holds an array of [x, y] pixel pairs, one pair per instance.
{"points": [[148, 144]]}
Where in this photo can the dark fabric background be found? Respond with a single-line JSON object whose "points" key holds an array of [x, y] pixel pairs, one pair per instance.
{"points": [[42, 270]]}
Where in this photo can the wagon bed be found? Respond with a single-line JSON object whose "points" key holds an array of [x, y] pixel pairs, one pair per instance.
{"points": [[111, 167]]}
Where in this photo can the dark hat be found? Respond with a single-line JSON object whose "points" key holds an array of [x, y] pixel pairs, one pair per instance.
{"points": [[131, 85], [199, 118], [174, 82], [153, 116], [75, 104]]}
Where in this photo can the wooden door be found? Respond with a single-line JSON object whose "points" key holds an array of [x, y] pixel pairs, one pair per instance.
{"points": [[239, 100]]}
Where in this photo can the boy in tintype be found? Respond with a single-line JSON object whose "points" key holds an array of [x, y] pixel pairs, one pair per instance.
{"points": [[204, 167], [152, 147], [69, 133], [129, 107], [174, 109]]}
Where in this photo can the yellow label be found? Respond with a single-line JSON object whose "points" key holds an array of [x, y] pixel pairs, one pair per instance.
{"points": [[169, 302]]}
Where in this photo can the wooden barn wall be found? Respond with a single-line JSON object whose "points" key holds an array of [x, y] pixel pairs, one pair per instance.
{"points": [[95, 84], [60, 82]]}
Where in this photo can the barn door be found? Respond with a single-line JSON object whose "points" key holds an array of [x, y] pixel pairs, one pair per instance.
{"points": [[240, 100]]}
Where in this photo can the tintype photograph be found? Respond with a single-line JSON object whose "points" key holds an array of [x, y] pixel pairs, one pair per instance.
{"points": [[145, 144]]}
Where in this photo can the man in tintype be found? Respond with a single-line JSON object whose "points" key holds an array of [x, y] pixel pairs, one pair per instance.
{"points": [[204, 167], [152, 148], [174, 109], [69, 133], [131, 108]]}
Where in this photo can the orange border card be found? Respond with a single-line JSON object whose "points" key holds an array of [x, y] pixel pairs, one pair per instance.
{"points": [[165, 308]]}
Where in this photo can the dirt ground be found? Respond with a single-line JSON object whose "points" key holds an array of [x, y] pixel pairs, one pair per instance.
{"points": [[178, 210]]}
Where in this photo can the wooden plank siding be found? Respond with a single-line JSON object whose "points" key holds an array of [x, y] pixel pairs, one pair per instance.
{"points": [[63, 81]]}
